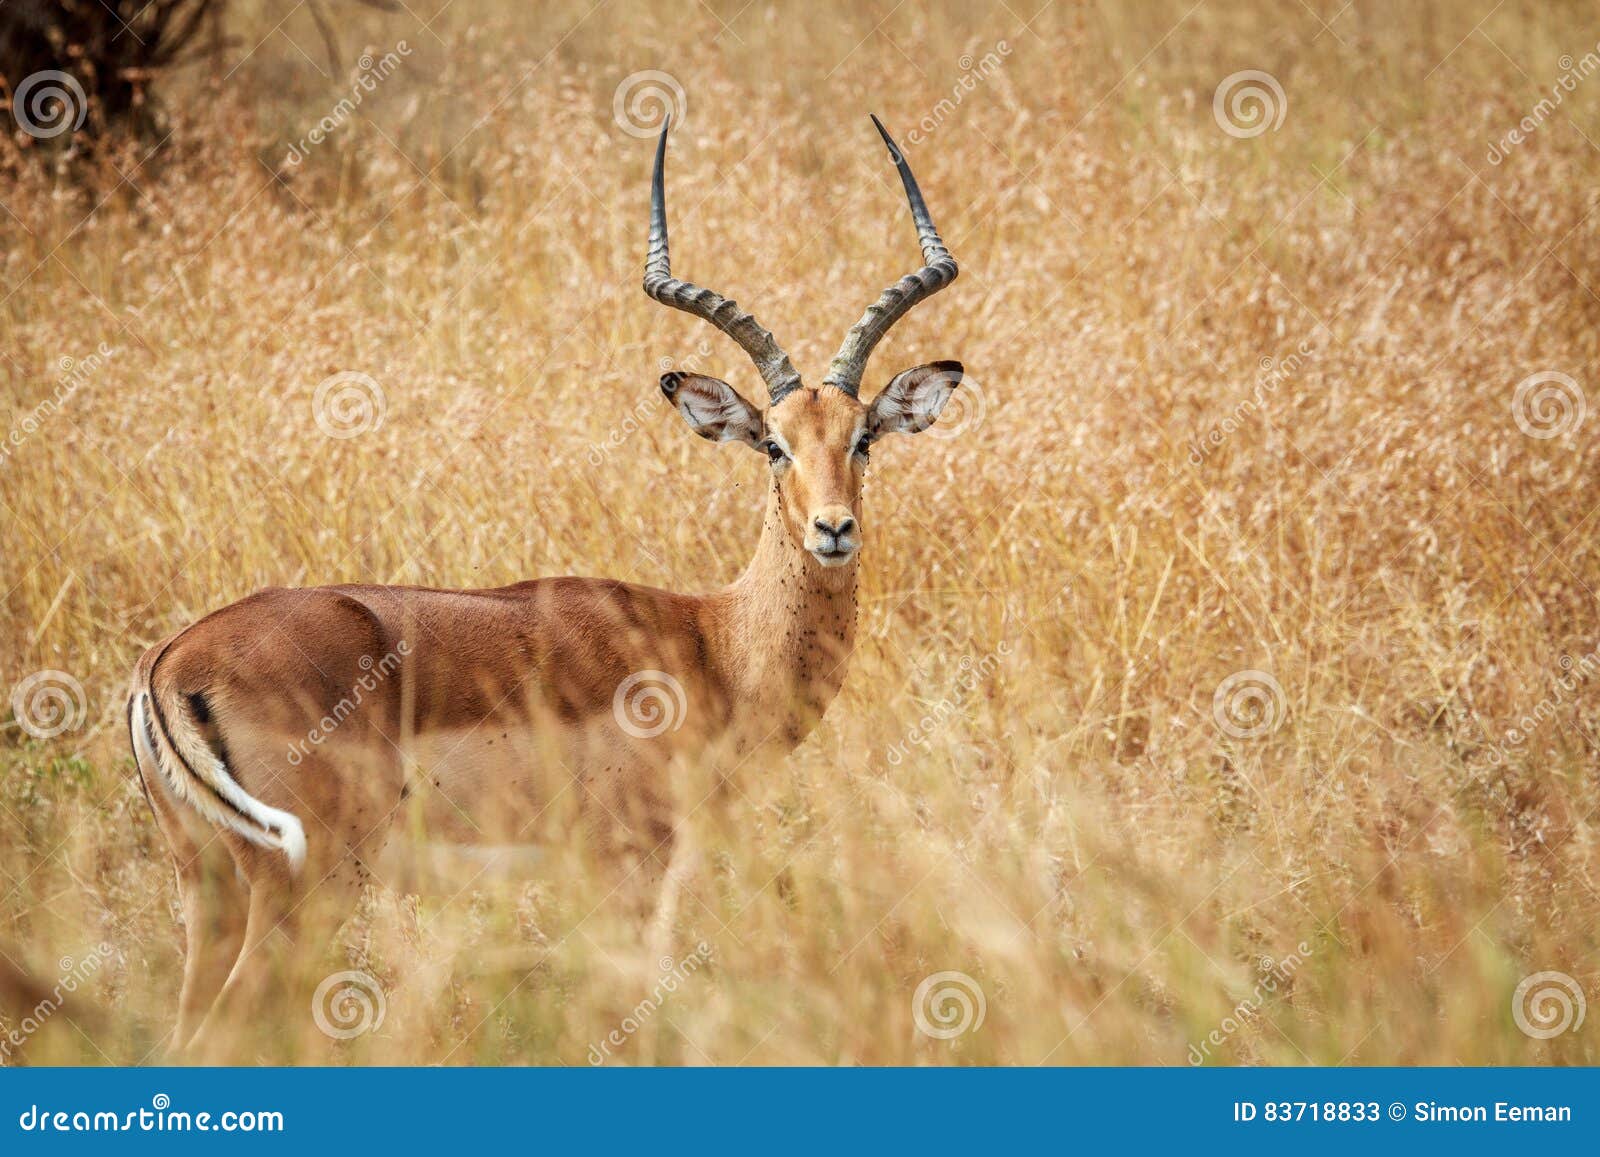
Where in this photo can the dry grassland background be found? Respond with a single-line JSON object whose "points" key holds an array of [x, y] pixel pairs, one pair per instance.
{"points": [[1227, 681]]}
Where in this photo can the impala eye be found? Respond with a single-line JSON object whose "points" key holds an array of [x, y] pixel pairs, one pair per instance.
{"points": [[864, 446], [774, 452]]}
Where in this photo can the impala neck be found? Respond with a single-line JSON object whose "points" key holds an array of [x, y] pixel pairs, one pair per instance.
{"points": [[792, 625]]}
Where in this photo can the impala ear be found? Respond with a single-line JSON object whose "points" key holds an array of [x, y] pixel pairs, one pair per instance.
{"points": [[913, 398], [713, 408]]}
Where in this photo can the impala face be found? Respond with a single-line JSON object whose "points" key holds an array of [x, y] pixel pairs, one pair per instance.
{"points": [[818, 443], [817, 440]]}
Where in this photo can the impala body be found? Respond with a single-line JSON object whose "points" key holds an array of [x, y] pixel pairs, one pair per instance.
{"points": [[284, 740]]}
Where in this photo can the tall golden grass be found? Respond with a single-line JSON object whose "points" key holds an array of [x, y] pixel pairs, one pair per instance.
{"points": [[1027, 778]]}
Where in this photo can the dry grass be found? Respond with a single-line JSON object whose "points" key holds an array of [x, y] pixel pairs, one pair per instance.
{"points": [[1075, 832]]}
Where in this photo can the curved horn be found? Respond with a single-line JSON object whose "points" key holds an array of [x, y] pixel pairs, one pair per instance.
{"points": [[938, 270], [776, 369]]}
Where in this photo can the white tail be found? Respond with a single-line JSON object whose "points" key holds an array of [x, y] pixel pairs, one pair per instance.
{"points": [[197, 776]]}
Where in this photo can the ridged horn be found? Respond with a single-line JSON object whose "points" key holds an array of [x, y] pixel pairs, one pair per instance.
{"points": [[938, 270], [772, 363]]}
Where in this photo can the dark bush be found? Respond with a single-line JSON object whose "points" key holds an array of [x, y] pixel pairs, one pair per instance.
{"points": [[75, 67]]}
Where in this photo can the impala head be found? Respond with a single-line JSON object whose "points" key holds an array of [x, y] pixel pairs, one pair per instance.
{"points": [[817, 440]]}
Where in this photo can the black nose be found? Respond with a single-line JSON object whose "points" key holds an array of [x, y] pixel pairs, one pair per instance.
{"points": [[845, 526]]}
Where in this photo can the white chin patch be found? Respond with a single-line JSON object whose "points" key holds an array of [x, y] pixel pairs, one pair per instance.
{"points": [[833, 559]]}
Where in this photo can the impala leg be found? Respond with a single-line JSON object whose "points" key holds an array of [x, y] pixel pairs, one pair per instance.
{"points": [[681, 863], [285, 953], [292, 925], [214, 902], [255, 973], [215, 905]]}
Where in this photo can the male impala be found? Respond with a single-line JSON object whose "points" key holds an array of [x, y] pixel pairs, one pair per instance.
{"points": [[293, 723]]}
